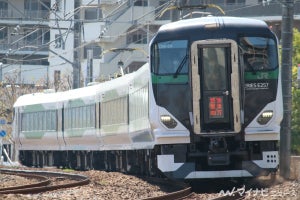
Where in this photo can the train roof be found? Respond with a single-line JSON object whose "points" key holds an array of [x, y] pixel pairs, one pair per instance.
{"points": [[233, 22], [90, 92], [44, 98]]}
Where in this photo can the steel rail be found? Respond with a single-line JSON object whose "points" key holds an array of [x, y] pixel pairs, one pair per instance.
{"points": [[184, 189], [34, 188], [45, 181]]}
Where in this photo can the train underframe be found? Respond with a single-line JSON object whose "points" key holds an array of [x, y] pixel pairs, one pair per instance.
{"points": [[209, 157], [139, 162], [219, 157]]}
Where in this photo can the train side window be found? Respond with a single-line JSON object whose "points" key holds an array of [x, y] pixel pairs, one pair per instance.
{"points": [[44, 121], [54, 126], [83, 116], [48, 119], [91, 112], [39, 121], [79, 117], [33, 121], [73, 118], [68, 119], [24, 122]]}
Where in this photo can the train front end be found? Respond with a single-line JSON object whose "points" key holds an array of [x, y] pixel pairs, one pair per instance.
{"points": [[216, 105]]}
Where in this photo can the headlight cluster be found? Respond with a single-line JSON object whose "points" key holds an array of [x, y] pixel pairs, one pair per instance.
{"points": [[168, 121], [265, 117]]}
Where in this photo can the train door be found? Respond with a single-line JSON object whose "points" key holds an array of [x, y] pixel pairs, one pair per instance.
{"points": [[215, 85]]}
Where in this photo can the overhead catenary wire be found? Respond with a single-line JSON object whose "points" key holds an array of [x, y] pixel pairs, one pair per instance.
{"points": [[56, 38], [97, 40], [116, 36]]}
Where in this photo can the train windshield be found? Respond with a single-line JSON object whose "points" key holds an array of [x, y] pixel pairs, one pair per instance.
{"points": [[259, 53], [170, 57]]}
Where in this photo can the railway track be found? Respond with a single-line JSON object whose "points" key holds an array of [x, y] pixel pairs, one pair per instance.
{"points": [[183, 190], [48, 181]]}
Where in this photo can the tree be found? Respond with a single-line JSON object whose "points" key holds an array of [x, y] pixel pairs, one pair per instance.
{"points": [[295, 129], [10, 90]]}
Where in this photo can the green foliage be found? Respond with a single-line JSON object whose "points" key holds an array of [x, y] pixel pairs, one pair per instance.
{"points": [[295, 129]]}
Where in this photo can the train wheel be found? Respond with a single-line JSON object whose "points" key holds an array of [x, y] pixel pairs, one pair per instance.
{"points": [[50, 158], [90, 160]]}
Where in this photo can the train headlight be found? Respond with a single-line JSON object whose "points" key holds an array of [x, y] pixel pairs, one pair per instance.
{"points": [[168, 121], [265, 117]]}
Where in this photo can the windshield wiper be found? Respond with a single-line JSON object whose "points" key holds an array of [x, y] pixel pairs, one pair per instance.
{"points": [[180, 66], [243, 62]]}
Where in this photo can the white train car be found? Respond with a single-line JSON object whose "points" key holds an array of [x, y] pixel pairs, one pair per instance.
{"points": [[171, 115], [112, 115], [216, 85]]}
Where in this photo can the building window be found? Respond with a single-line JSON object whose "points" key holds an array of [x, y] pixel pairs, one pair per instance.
{"points": [[58, 41], [3, 33], [33, 38], [31, 5], [233, 2], [137, 37], [46, 36], [141, 3], [3, 5], [3, 9], [57, 5], [97, 50], [34, 60], [92, 13]]}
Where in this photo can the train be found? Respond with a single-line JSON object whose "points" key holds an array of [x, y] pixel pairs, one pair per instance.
{"points": [[208, 104]]}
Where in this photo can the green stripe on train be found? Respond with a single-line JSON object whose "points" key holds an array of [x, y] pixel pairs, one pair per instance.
{"points": [[169, 78], [262, 75], [76, 103], [161, 79], [34, 108], [77, 132], [34, 134]]}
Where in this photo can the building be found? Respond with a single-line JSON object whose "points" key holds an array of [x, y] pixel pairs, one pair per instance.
{"points": [[44, 42], [24, 37]]}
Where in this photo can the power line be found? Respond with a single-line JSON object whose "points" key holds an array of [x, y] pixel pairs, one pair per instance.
{"points": [[81, 46], [98, 40]]}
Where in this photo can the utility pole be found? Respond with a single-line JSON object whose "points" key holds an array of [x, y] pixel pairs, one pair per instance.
{"points": [[1, 73], [174, 13], [77, 43], [286, 62], [89, 70]]}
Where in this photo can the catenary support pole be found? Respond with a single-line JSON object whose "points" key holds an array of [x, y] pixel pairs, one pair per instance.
{"points": [[286, 62]]}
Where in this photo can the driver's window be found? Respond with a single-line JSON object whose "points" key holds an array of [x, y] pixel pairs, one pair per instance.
{"points": [[169, 56], [214, 68], [259, 53]]}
